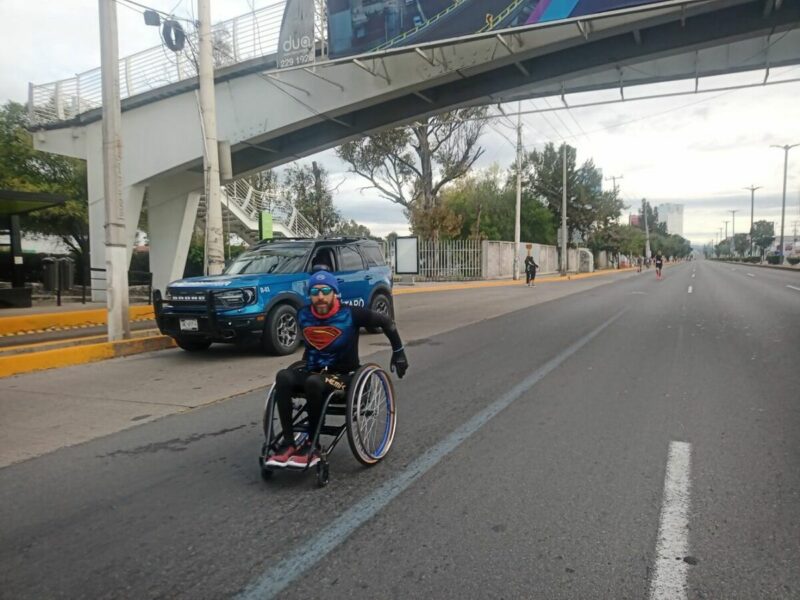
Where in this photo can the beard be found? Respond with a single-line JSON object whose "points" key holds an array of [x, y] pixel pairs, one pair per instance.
{"points": [[323, 307]]}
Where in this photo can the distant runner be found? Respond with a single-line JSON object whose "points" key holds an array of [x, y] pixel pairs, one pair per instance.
{"points": [[659, 265]]}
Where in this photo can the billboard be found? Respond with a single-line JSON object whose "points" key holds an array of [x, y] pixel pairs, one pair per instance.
{"points": [[358, 26]]}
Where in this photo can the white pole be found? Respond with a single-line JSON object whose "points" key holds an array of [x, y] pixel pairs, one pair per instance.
{"points": [[208, 110], [646, 230], [564, 210], [519, 191], [115, 240]]}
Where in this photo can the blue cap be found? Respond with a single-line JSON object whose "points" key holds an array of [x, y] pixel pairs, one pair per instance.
{"points": [[323, 278]]}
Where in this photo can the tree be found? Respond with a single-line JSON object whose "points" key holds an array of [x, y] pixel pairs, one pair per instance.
{"points": [[307, 186], [652, 220], [741, 243], [24, 169], [763, 235], [352, 229], [486, 206], [588, 207], [411, 165]]}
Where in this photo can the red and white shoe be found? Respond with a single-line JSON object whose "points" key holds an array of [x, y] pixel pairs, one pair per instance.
{"points": [[305, 457], [281, 458]]}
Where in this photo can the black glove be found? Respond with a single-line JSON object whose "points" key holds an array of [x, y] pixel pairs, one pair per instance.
{"points": [[399, 363]]}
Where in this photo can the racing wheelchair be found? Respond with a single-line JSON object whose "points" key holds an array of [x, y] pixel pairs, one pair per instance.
{"points": [[364, 411]]}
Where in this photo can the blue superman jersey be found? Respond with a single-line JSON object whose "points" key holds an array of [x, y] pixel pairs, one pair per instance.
{"points": [[330, 342]]}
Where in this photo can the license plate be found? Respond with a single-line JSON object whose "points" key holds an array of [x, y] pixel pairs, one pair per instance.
{"points": [[188, 324]]}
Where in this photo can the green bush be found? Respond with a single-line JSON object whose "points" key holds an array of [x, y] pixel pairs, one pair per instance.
{"points": [[793, 260], [774, 259]]}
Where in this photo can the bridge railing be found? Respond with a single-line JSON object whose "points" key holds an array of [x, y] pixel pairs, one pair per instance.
{"points": [[236, 40], [251, 202]]}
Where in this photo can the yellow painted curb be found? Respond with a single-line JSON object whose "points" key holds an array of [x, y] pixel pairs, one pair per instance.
{"points": [[399, 291], [69, 319], [78, 355]]}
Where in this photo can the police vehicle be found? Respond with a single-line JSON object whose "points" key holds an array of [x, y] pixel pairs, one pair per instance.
{"points": [[260, 292]]}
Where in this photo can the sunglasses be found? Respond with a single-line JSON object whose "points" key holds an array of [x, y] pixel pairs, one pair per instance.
{"points": [[316, 291]]}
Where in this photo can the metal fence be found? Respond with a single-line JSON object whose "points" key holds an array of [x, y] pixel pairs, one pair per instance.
{"points": [[446, 260], [249, 36]]}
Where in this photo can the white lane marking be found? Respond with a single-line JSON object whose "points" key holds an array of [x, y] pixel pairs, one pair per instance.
{"points": [[670, 570], [793, 288], [692, 275], [690, 289], [282, 573], [750, 275]]}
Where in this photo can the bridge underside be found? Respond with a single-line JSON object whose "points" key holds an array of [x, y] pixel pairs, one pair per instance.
{"points": [[270, 118]]}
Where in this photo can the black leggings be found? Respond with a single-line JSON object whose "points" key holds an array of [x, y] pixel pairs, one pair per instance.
{"points": [[530, 275], [314, 386]]}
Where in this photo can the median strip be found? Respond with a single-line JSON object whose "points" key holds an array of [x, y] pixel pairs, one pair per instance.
{"points": [[74, 319], [76, 355]]}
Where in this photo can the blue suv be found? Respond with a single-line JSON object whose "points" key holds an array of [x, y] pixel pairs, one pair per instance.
{"points": [[259, 294]]}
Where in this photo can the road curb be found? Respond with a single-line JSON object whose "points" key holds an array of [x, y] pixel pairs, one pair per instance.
{"points": [[33, 323], [550, 278], [789, 269], [77, 355]]}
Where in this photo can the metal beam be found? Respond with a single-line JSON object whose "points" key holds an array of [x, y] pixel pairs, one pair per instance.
{"points": [[325, 79]]}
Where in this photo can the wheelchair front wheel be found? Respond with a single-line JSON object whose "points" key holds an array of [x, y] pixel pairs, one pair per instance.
{"points": [[371, 414]]}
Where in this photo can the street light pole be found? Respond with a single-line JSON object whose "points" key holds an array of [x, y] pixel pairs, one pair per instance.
{"points": [[752, 189], [785, 149], [519, 192], [733, 230], [564, 210], [208, 108], [117, 300]]}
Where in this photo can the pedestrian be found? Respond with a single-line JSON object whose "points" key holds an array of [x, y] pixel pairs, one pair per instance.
{"points": [[639, 264], [530, 268]]}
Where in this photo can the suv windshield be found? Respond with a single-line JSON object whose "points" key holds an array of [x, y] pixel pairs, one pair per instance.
{"points": [[270, 259]]}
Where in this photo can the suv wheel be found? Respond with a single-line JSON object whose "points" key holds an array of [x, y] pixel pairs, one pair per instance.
{"points": [[192, 345], [380, 303], [282, 331]]}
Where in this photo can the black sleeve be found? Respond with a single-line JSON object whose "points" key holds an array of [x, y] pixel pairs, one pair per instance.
{"points": [[363, 317]]}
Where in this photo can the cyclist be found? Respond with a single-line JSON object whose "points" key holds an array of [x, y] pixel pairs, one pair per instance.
{"points": [[330, 332]]}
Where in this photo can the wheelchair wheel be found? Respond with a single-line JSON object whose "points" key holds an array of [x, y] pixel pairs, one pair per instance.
{"points": [[371, 414]]}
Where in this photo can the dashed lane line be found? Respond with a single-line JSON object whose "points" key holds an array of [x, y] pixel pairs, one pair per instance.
{"points": [[791, 287], [690, 289], [750, 275], [672, 548]]}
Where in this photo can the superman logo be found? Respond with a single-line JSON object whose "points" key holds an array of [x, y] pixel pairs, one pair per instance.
{"points": [[321, 337]]}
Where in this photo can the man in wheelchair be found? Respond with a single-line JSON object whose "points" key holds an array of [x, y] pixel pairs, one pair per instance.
{"points": [[330, 331]]}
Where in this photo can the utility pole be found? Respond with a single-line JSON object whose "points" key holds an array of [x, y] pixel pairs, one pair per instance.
{"points": [[564, 264], [785, 149], [614, 178], [119, 326], [646, 230], [519, 192], [726, 236], [733, 230], [215, 253], [752, 189]]}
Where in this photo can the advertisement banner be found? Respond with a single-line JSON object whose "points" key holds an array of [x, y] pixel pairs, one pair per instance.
{"points": [[358, 26], [296, 41]]}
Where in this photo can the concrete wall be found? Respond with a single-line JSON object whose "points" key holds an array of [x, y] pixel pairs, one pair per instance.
{"points": [[498, 259]]}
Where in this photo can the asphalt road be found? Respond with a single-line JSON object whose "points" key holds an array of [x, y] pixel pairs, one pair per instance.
{"points": [[634, 440]]}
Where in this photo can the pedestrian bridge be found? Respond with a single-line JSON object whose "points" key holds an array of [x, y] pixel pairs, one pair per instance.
{"points": [[271, 116]]}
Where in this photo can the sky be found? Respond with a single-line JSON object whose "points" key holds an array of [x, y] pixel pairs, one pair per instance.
{"points": [[696, 150]]}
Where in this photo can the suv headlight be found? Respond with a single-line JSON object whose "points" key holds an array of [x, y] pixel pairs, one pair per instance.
{"points": [[235, 298]]}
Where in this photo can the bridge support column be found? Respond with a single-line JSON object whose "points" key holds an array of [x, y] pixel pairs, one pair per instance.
{"points": [[171, 214], [132, 197]]}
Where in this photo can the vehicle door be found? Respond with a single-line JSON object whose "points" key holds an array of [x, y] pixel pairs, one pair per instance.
{"points": [[377, 269], [352, 276]]}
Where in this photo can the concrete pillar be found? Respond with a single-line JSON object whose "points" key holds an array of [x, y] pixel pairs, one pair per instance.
{"points": [[171, 213], [132, 197]]}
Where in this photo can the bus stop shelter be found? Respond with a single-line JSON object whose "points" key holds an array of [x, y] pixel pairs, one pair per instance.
{"points": [[13, 204]]}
